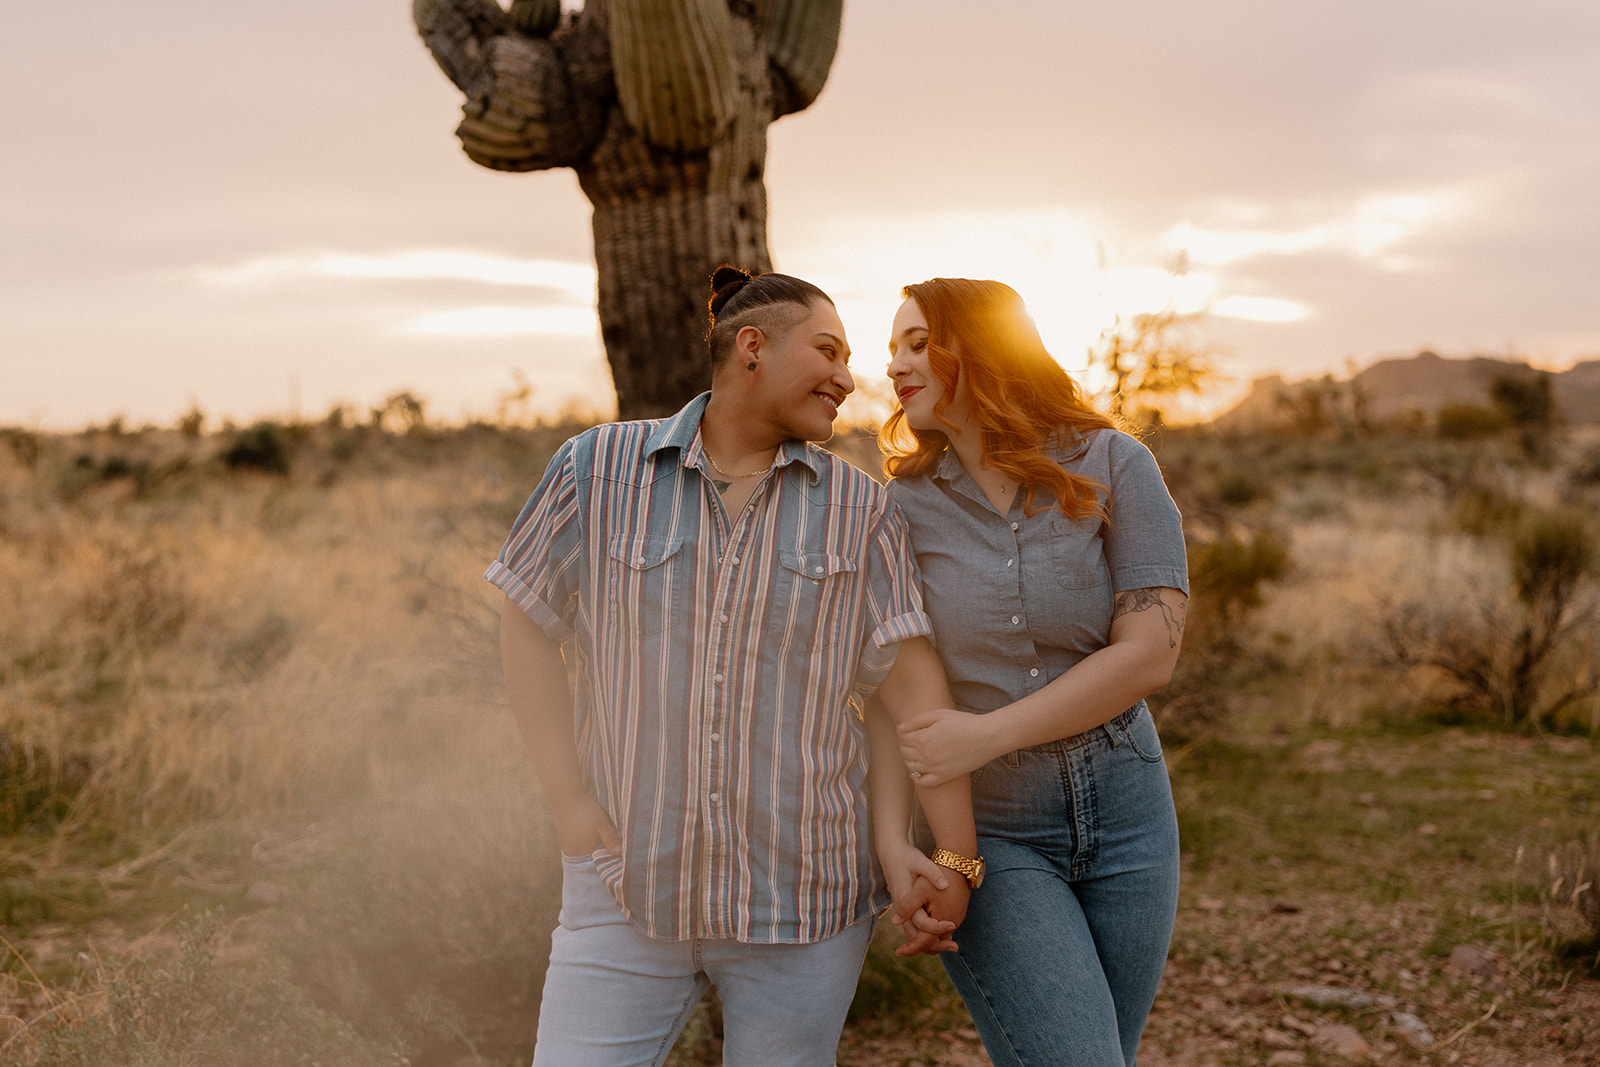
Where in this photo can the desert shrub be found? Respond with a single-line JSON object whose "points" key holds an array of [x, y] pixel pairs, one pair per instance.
{"points": [[1523, 655], [1572, 904], [1226, 576], [1484, 510], [263, 447], [37, 785], [195, 1008], [1469, 422], [1239, 487]]}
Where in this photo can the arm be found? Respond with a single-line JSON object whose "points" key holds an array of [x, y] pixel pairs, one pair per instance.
{"points": [[916, 685], [541, 702], [1146, 637], [915, 881]]}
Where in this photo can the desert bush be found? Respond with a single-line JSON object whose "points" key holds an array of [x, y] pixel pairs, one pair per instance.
{"points": [[1523, 655], [1469, 422], [263, 447]]}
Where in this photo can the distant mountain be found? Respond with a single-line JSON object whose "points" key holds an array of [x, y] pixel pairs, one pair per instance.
{"points": [[1397, 388]]}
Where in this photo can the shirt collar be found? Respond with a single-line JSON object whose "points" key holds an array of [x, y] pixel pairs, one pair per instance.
{"points": [[682, 432]]}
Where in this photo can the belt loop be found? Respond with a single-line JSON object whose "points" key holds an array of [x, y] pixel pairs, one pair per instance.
{"points": [[1013, 759], [1116, 742]]}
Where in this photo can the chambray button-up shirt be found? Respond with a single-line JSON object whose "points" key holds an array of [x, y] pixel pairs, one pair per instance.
{"points": [[1016, 599], [714, 659]]}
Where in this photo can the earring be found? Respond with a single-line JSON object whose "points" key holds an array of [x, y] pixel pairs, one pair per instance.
{"points": [[751, 365]]}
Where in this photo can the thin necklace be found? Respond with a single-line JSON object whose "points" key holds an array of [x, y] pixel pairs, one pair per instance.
{"points": [[735, 477]]}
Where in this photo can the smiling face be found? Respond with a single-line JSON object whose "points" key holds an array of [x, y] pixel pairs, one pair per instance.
{"points": [[919, 389], [805, 373]]}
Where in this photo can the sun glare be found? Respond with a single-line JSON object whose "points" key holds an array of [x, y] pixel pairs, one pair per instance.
{"points": [[570, 321]]}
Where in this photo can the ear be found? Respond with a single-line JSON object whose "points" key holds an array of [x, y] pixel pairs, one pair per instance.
{"points": [[747, 344]]}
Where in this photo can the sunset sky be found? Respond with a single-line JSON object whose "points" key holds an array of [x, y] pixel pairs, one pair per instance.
{"points": [[261, 208]]}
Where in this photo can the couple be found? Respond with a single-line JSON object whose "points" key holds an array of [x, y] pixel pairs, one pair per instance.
{"points": [[729, 595]]}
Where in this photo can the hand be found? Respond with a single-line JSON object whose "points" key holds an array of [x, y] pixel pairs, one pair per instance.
{"points": [[583, 826], [941, 745], [928, 928]]}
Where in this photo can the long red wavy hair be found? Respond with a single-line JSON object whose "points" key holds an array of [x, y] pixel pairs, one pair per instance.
{"points": [[981, 335]]}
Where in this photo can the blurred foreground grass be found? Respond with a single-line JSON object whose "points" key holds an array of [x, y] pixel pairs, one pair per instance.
{"points": [[256, 777]]}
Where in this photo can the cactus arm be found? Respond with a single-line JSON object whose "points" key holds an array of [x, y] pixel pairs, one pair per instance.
{"points": [[458, 32], [801, 37], [675, 70]]}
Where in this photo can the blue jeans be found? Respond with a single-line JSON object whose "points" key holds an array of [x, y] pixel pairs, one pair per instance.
{"points": [[1064, 943], [615, 998]]}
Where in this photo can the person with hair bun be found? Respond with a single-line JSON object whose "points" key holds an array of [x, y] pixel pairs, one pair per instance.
{"points": [[1053, 567], [693, 608]]}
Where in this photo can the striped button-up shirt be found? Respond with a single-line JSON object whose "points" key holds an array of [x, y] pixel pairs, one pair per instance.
{"points": [[714, 659]]}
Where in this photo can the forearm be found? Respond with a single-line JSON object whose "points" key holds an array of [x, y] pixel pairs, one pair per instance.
{"points": [[1144, 646], [918, 684], [541, 703]]}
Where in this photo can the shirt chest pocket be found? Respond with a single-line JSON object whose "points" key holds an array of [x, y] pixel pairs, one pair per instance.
{"points": [[808, 607], [646, 583], [1077, 554]]}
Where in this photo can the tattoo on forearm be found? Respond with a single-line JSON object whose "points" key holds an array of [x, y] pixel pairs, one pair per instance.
{"points": [[1143, 600]]}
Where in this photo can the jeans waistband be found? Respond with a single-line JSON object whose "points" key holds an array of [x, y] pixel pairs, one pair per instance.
{"points": [[1067, 744]]}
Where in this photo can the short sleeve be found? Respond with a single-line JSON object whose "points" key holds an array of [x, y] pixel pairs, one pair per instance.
{"points": [[537, 567], [893, 599], [1144, 538]]}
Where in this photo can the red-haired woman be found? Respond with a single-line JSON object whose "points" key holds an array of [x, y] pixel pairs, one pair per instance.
{"points": [[1053, 567]]}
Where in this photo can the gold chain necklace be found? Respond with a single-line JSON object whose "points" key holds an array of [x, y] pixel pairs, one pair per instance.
{"points": [[735, 477]]}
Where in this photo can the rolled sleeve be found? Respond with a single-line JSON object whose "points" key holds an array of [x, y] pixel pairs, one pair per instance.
{"points": [[894, 600], [537, 566]]}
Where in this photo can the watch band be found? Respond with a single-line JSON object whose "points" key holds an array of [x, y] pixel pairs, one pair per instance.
{"points": [[970, 869]]}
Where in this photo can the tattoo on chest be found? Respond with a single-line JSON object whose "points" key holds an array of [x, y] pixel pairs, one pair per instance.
{"points": [[1135, 600]]}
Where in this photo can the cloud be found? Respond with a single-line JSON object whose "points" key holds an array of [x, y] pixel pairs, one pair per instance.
{"points": [[576, 281]]}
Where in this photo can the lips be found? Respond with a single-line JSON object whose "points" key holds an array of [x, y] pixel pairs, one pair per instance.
{"points": [[830, 400], [908, 392]]}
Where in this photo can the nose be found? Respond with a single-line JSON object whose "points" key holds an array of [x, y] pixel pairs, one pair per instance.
{"points": [[896, 367], [845, 379]]}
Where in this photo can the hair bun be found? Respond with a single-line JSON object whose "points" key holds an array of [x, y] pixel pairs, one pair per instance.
{"points": [[726, 281]]}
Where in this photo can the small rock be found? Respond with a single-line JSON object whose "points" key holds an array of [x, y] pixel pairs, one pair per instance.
{"points": [[1368, 799], [1427, 829], [1289, 1022], [1343, 1040], [264, 894], [1285, 907], [1321, 996], [1471, 961], [1286, 1059], [1411, 1030], [1276, 1038]]}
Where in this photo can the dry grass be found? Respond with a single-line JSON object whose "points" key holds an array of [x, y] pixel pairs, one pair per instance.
{"points": [[278, 697]]}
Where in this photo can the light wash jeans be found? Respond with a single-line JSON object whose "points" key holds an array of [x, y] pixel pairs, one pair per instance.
{"points": [[615, 998], [1064, 943]]}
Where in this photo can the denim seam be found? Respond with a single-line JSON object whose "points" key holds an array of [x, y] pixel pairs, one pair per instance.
{"points": [[988, 1007], [1081, 794]]}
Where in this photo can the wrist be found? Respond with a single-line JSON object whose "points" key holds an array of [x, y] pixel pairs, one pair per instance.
{"points": [[970, 868]]}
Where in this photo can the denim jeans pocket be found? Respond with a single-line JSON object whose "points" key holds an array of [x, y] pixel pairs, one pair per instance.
{"points": [[1141, 736]]}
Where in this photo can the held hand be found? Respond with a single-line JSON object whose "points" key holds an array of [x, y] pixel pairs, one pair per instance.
{"points": [[583, 827], [928, 929], [941, 745], [913, 880]]}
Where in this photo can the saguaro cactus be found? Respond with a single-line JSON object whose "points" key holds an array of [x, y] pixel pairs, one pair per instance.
{"points": [[662, 108]]}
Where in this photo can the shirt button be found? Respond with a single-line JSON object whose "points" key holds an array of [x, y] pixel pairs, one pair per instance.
{"points": [[718, 678], [640, 561], [1013, 526], [1015, 620], [1009, 562], [819, 570], [734, 561], [715, 738], [723, 617], [714, 797], [1034, 673]]}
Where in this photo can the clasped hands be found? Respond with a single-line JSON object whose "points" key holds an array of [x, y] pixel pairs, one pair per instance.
{"points": [[930, 901], [939, 746]]}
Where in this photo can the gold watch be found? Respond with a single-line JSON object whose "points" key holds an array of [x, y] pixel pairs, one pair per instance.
{"points": [[972, 870]]}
